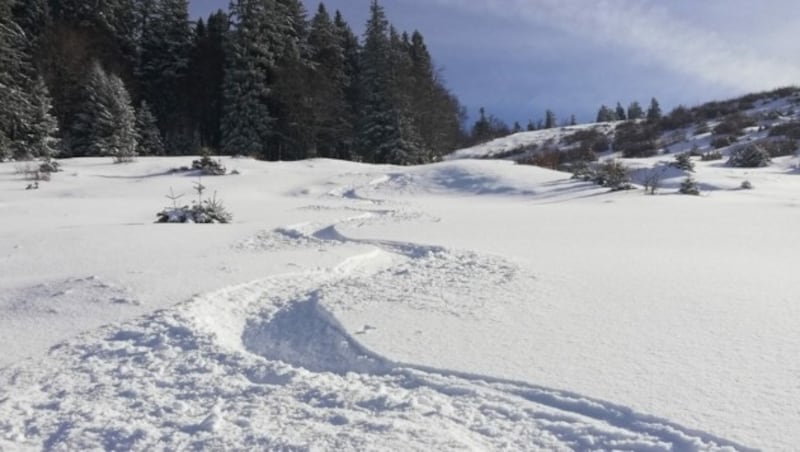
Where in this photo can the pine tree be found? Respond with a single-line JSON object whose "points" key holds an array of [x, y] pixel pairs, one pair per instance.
{"points": [[550, 119], [351, 50], [106, 122], [33, 17], [290, 103], [252, 51], [206, 75], [635, 111], [654, 112], [149, 137], [605, 114], [163, 70], [27, 127], [620, 112], [572, 120], [386, 132], [332, 115], [12, 95], [43, 127], [78, 33], [482, 129]]}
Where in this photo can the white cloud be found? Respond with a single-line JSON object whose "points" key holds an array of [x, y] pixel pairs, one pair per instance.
{"points": [[653, 33]]}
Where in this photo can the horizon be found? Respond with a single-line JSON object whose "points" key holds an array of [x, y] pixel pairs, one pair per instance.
{"points": [[572, 58]]}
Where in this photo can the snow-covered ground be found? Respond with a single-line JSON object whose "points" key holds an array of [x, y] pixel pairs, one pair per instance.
{"points": [[465, 305]]}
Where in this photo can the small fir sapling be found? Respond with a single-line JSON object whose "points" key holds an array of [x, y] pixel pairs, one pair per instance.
{"points": [[689, 186], [210, 210]]}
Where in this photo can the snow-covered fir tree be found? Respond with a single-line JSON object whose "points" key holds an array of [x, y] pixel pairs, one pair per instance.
{"points": [[333, 120], [635, 111], [251, 57], [43, 126], [149, 138], [166, 45], [654, 112], [27, 127], [106, 121], [386, 132]]}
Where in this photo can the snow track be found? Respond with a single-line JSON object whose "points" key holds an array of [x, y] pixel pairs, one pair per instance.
{"points": [[266, 365]]}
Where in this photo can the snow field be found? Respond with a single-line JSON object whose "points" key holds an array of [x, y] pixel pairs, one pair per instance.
{"points": [[352, 307]]}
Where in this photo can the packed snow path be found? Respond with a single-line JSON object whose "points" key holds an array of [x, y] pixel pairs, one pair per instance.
{"points": [[266, 365]]}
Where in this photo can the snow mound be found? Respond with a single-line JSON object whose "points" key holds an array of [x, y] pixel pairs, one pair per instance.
{"points": [[306, 335], [467, 178]]}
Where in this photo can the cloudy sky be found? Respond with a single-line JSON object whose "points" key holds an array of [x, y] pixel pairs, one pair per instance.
{"points": [[520, 57]]}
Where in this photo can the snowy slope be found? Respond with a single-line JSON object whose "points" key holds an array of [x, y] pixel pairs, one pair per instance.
{"points": [[516, 143], [467, 305]]}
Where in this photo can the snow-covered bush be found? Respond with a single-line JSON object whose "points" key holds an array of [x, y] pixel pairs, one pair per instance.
{"points": [[592, 139], [789, 129], [611, 174], [689, 186], [750, 155], [49, 166], [614, 175], [778, 146], [636, 139], [208, 166], [711, 156], [722, 141], [734, 124], [583, 171], [683, 161], [209, 210]]}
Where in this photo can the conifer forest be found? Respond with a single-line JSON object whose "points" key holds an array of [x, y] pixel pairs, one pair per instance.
{"points": [[266, 78]]}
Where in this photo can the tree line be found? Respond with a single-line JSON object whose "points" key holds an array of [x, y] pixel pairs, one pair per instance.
{"points": [[127, 77]]}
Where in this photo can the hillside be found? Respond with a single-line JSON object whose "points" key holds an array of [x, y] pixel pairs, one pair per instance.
{"points": [[464, 305], [711, 133]]}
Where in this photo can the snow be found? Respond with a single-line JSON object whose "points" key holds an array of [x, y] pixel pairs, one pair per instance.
{"points": [[464, 305]]}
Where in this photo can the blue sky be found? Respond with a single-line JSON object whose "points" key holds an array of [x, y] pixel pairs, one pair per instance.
{"points": [[518, 58]]}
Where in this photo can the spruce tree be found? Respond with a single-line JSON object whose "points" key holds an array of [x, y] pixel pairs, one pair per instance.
{"points": [[290, 103], [605, 114], [386, 132], [436, 116], [351, 50], [42, 130], [27, 127], [106, 122], [654, 112], [620, 112], [550, 119], [12, 94], [149, 137], [331, 114], [482, 129], [163, 70], [206, 75], [251, 54], [635, 111]]}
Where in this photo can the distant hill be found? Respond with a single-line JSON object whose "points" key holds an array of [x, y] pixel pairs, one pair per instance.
{"points": [[772, 119]]}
